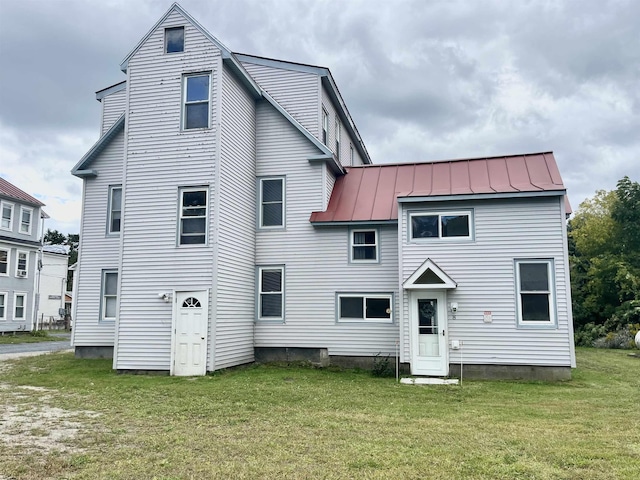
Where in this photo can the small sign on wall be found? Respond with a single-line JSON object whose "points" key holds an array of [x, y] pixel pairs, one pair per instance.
{"points": [[488, 317], [55, 297]]}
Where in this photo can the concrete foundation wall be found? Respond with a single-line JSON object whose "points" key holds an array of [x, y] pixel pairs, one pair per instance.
{"points": [[94, 352], [315, 356], [510, 372]]}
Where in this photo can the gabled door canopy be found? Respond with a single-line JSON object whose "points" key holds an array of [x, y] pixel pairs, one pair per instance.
{"points": [[429, 276]]}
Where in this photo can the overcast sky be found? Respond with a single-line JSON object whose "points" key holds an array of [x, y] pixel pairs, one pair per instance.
{"points": [[423, 80]]}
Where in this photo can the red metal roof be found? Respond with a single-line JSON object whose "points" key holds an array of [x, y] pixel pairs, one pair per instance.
{"points": [[9, 190], [370, 193]]}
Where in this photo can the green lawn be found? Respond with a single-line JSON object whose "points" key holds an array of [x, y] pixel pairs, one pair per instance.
{"points": [[27, 337], [86, 422]]}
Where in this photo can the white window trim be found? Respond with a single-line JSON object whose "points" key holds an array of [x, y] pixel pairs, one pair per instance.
{"points": [[325, 126], [181, 190], [259, 292], [6, 305], [184, 39], [261, 226], [440, 214], [110, 210], [352, 245], [364, 297], [15, 305], [103, 303], [30, 210], [552, 322], [26, 264], [8, 250], [185, 103], [11, 206]]}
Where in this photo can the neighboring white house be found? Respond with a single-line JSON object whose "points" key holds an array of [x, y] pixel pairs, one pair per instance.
{"points": [[20, 241], [231, 214], [53, 283]]}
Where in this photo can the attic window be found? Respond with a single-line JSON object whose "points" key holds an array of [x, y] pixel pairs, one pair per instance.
{"points": [[174, 40]]}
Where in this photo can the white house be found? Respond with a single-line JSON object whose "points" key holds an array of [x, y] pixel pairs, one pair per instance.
{"points": [[20, 241], [231, 214], [53, 283]]}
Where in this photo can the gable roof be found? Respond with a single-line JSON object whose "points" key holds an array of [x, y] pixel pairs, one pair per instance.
{"points": [[81, 168], [370, 193], [327, 82], [429, 275], [9, 190]]}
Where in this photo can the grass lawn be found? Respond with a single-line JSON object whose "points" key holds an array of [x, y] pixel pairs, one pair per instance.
{"points": [[26, 337], [68, 418]]}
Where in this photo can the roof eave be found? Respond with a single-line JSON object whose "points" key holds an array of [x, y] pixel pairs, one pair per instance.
{"points": [[80, 169], [230, 60], [482, 196]]}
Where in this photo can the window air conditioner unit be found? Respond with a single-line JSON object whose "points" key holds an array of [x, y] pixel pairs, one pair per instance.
{"points": [[22, 273]]}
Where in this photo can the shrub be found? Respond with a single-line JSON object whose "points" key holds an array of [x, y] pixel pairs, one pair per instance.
{"points": [[621, 338], [39, 333], [382, 366]]}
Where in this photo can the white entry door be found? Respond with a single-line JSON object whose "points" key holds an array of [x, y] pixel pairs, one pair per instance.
{"points": [[190, 333], [429, 348]]}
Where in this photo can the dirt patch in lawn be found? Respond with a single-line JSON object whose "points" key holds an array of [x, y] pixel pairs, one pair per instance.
{"points": [[32, 425]]}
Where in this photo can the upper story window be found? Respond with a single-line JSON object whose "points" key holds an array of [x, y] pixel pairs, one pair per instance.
{"points": [[193, 216], [196, 101], [337, 138], [364, 246], [7, 215], [325, 126], [25, 220], [272, 202], [440, 225], [174, 40], [115, 209], [22, 264], [4, 262], [534, 285]]}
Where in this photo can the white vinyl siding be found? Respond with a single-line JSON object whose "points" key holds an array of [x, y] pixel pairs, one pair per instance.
{"points": [[161, 158], [297, 92], [113, 106], [316, 258], [505, 230], [234, 291], [97, 251], [345, 139]]}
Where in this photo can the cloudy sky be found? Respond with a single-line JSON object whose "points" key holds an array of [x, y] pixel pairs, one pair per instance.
{"points": [[424, 80]]}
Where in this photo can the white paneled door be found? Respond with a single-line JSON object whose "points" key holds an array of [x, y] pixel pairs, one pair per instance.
{"points": [[190, 333]]}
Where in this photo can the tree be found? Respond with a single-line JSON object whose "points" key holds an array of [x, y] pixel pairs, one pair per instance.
{"points": [[604, 253], [54, 237]]}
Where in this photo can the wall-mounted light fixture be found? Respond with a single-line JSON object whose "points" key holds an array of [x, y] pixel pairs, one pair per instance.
{"points": [[165, 296]]}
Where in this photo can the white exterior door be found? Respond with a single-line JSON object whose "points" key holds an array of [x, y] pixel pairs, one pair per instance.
{"points": [[429, 347], [189, 352]]}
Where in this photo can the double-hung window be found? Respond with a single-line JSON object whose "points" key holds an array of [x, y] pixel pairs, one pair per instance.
{"points": [[196, 94], [115, 209], [26, 215], [4, 261], [535, 296], [272, 202], [271, 293], [193, 216], [364, 246], [374, 307], [455, 225], [109, 298], [19, 306], [22, 264], [7, 215], [174, 40], [3, 305], [325, 126]]}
